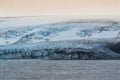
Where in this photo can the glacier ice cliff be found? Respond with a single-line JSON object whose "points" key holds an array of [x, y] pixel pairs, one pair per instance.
{"points": [[83, 50], [83, 40]]}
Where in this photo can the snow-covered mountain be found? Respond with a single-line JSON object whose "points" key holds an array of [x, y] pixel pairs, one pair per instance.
{"points": [[84, 38]]}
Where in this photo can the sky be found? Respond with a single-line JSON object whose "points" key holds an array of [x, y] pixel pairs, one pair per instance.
{"points": [[59, 7]]}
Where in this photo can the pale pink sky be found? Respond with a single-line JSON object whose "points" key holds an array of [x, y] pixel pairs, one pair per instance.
{"points": [[59, 7]]}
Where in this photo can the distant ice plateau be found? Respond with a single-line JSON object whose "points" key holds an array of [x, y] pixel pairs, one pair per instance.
{"points": [[85, 40]]}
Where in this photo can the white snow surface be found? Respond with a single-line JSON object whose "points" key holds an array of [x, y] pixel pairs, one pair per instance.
{"points": [[33, 30], [27, 21]]}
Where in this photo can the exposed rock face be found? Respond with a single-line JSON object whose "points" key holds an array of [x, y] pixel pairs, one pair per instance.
{"points": [[115, 47]]}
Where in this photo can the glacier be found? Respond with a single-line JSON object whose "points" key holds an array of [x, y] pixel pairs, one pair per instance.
{"points": [[88, 40]]}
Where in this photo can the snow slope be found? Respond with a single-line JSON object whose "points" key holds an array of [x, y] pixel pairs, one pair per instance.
{"points": [[32, 31]]}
